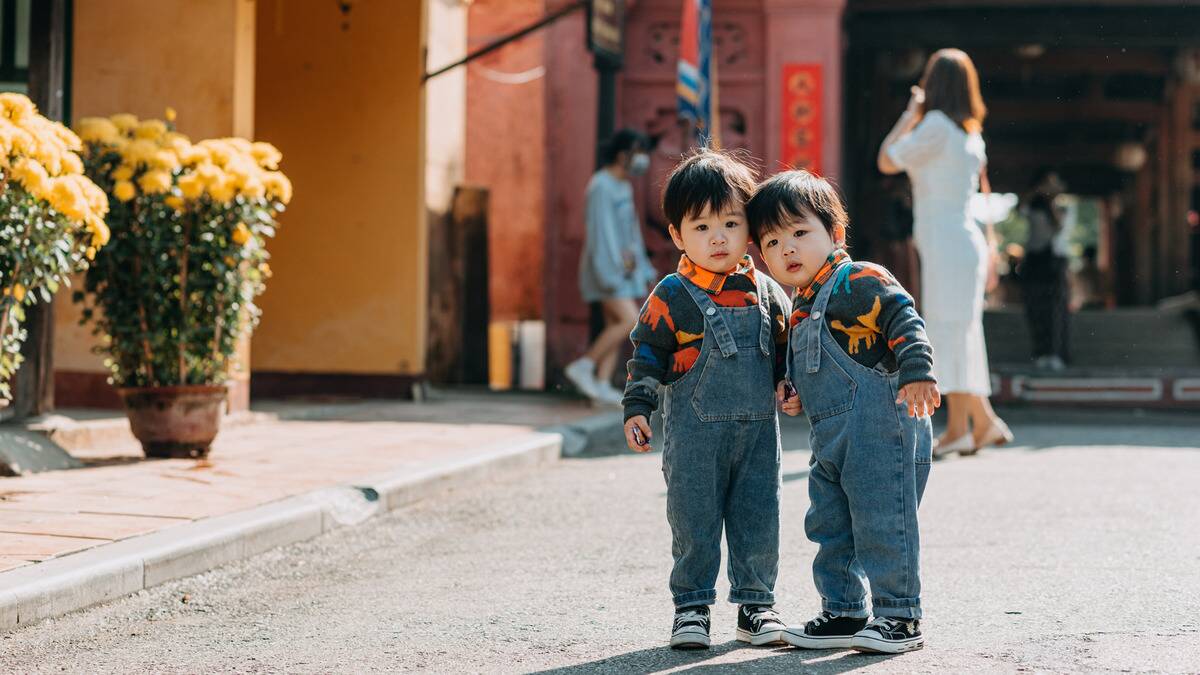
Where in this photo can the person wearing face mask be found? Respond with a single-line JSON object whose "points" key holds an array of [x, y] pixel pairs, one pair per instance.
{"points": [[614, 269]]}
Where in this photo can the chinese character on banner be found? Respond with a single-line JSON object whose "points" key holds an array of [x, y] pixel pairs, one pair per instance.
{"points": [[801, 139]]}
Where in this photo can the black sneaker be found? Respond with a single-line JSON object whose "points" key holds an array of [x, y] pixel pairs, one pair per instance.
{"points": [[889, 636], [826, 631], [691, 628], [759, 625]]}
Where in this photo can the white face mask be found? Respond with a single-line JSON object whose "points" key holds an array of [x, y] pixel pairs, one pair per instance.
{"points": [[640, 164]]}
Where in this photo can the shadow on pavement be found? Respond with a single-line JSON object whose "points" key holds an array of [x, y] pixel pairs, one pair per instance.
{"points": [[777, 660]]}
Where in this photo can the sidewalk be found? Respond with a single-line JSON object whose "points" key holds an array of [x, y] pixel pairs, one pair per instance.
{"points": [[287, 472]]}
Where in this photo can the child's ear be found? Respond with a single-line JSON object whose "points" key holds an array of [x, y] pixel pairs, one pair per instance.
{"points": [[675, 236]]}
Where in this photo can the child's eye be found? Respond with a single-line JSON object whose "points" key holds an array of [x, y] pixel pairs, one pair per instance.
{"points": [[800, 233], [772, 243], [701, 227], [733, 223]]}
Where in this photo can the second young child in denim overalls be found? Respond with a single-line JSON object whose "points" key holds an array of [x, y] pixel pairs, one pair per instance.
{"points": [[867, 393]]}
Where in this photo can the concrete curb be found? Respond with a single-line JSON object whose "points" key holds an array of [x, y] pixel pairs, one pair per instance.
{"points": [[112, 571], [597, 435]]}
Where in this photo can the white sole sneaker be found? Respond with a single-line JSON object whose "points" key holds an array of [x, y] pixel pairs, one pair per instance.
{"points": [[874, 645], [696, 639], [771, 637], [810, 642]]}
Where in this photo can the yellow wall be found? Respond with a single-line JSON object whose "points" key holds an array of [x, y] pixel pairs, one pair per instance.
{"points": [[141, 56], [341, 96]]}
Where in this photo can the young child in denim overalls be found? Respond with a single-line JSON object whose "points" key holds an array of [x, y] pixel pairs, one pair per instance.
{"points": [[862, 365], [713, 337]]}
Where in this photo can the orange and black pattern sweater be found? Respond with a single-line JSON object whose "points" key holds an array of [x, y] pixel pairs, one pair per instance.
{"points": [[871, 317], [670, 330]]}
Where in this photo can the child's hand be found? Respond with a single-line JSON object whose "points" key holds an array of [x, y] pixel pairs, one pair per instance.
{"points": [[922, 398], [789, 405], [635, 426]]}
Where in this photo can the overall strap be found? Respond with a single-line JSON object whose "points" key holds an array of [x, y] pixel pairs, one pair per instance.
{"points": [[818, 314], [764, 306], [712, 317]]}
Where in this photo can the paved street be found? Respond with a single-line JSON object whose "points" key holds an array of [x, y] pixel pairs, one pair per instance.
{"points": [[1078, 550]]}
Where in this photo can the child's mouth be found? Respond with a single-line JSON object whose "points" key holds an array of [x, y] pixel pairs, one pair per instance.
{"points": [[793, 267], [721, 254]]}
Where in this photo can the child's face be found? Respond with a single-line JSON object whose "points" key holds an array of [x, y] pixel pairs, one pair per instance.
{"points": [[714, 241], [796, 252]]}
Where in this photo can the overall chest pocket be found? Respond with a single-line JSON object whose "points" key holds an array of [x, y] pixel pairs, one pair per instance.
{"points": [[829, 391], [738, 387]]}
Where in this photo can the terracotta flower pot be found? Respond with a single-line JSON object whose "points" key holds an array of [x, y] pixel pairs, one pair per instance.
{"points": [[175, 421]]}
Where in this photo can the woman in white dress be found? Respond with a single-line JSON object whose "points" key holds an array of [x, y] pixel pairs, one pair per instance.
{"points": [[937, 142]]}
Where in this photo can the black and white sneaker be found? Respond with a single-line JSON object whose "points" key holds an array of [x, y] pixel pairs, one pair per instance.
{"points": [[691, 628], [759, 625], [826, 631], [889, 636]]}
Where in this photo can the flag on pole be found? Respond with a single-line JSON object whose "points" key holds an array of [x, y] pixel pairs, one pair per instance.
{"points": [[696, 82]]}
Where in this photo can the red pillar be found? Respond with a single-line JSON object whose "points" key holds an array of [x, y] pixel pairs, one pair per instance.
{"points": [[805, 32]]}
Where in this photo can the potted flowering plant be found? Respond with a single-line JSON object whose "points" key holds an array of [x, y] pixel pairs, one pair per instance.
{"points": [[51, 219], [173, 292]]}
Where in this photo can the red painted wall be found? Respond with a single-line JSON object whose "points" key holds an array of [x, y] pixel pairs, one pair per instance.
{"points": [[506, 151]]}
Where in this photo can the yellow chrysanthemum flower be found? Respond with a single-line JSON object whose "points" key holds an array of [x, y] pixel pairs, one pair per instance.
{"points": [[220, 151], [67, 198], [124, 190], [177, 142], [278, 186], [90, 253], [253, 188], [170, 114], [141, 151], [222, 191], [97, 130], [150, 129], [96, 198], [191, 185], [265, 269], [100, 232], [241, 234], [16, 107], [175, 202], [68, 139], [32, 175], [155, 182], [267, 155], [195, 155], [166, 160], [71, 164], [210, 174], [241, 145], [123, 172], [124, 122], [17, 292]]}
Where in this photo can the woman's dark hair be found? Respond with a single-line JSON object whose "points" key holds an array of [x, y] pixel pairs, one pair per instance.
{"points": [[951, 85], [715, 179], [624, 140], [789, 195]]}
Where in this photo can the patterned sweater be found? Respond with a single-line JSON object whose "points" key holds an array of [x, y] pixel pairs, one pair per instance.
{"points": [[668, 336], [871, 317]]}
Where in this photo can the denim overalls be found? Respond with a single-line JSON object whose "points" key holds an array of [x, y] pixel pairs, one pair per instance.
{"points": [[870, 462], [721, 456]]}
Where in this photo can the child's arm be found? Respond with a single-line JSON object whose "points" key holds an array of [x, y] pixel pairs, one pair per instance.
{"points": [[780, 311], [654, 344], [904, 331]]}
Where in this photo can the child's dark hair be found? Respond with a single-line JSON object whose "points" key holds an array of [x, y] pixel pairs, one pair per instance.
{"points": [[624, 140], [789, 195], [709, 178]]}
